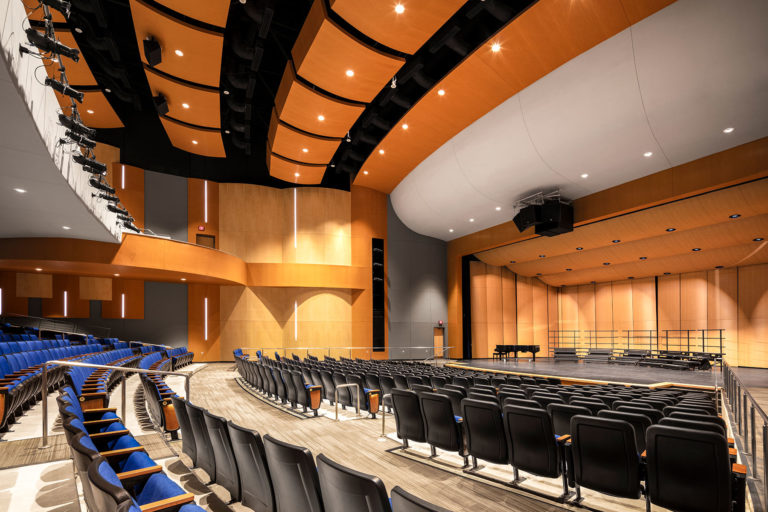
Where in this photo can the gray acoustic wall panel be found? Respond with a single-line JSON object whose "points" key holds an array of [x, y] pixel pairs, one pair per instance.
{"points": [[416, 288], [165, 205]]}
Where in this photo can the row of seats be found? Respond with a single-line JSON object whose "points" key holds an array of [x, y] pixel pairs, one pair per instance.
{"points": [[684, 464], [17, 337], [267, 474], [157, 394], [116, 473], [21, 378], [12, 347], [180, 357], [92, 384]]}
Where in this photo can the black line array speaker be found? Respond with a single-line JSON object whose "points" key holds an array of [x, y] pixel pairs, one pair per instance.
{"points": [[152, 52], [527, 217], [556, 219], [377, 265]]}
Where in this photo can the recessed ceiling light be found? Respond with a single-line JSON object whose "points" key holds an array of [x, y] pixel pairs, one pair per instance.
{"points": [[399, 8], [568, 269], [643, 257], [321, 117], [78, 30], [66, 228], [495, 47], [667, 273], [296, 174], [471, 220], [498, 208], [179, 53], [450, 230], [350, 73], [757, 239], [607, 263], [304, 150], [405, 126], [227, 132], [183, 278], [226, 92], [441, 92], [107, 89], [116, 275], [381, 151], [542, 255], [89, 111], [718, 266], [185, 105], [38, 269], [696, 249], [585, 175], [648, 154], [734, 216], [513, 261], [616, 241], [20, 190], [194, 142], [579, 248], [728, 130], [630, 277], [669, 230], [365, 172]]}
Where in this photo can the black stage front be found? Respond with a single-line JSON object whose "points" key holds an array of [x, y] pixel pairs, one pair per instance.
{"points": [[602, 371]]}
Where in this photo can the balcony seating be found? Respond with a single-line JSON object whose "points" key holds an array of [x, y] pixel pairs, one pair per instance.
{"points": [[408, 418], [255, 480], [403, 501], [294, 476], [486, 439], [227, 475], [346, 490], [179, 357], [442, 428]]}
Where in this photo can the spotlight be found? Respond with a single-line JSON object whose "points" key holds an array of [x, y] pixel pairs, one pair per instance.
{"points": [[60, 5], [98, 167], [349, 138], [131, 227], [77, 126], [46, 44], [117, 209], [80, 140], [64, 89], [101, 186], [107, 197], [393, 85], [161, 105], [152, 51], [126, 218]]}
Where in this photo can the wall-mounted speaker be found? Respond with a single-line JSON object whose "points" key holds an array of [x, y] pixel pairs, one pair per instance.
{"points": [[556, 218], [152, 52], [378, 287], [527, 217]]}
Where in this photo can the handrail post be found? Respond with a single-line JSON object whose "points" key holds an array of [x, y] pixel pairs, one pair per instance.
{"points": [[336, 397], [754, 439], [45, 406], [384, 414]]}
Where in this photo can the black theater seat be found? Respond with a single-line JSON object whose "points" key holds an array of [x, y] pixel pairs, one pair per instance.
{"points": [[403, 501], [294, 477], [520, 402], [290, 389], [455, 397], [639, 422], [206, 460], [561, 415], [187, 434], [387, 383], [593, 405], [328, 386], [442, 428], [346, 490], [699, 417], [408, 419], [544, 399], [226, 466], [421, 388], [485, 431], [654, 414], [255, 480]]}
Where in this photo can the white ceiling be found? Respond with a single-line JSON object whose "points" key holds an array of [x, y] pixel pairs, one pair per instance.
{"points": [[669, 84], [25, 162]]}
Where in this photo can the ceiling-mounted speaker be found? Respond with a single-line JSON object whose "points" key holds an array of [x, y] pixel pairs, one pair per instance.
{"points": [[161, 104], [152, 52], [527, 217], [556, 218]]}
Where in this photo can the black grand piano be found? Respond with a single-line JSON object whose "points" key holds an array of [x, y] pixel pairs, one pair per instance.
{"points": [[505, 350]]}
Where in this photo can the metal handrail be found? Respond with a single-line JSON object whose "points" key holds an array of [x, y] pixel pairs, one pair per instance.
{"points": [[336, 397], [187, 377], [384, 413]]}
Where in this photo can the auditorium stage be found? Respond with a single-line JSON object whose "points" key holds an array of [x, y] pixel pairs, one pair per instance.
{"points": [[601, 371]]}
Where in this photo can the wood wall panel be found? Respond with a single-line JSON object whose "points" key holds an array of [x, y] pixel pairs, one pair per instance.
{"points": [[494, 307], [479, 298], [753, 316], [509, 309], [603, 306], [540, 316], [644, 304], [569, 308], [586, 304], [196, 209], [34, 285], [75, 307], [204, 349], [128, 181], [668, 304], [12, 303], [95, 288], [622, 306], [524, 311], [693, 300], [134, 300], [722, 309]]}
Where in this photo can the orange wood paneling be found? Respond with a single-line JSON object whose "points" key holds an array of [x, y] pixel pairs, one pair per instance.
{"points": [[509, 302], [324, 52], [405, 32], [493, 303], [134, 300], [540, 320], [722, 309], [95, 110], [201, 62], [287, 170], [95, 288], [54, 307], [297, 275], [213, 12], [196, 209], [586, 305], [300, 146], [753, 316], [644, 304], [204, 349], [569, 309], [693, 300], [35, 285], [479, 304], [201, 141], [524, 311], [203, 103], [128, 181], [301, 106], [12, 304], [604, 307], [669, 305], [622, 306]]}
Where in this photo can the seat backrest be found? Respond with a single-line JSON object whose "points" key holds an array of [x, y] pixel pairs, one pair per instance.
{"points": [[408, 419], [639, 422], [294, 476], [387, 384], [690, 409], [226, 466], [255, 480], [403, 501], [455, 387], [521, 402], [593, 405], [544, 399], [108, 493], [561, 415], [421, 388], [485, 430], [699, 417], [347, 490], [440, 426], [531, 441], [688, 469], [605, 456], [205, 456], [695, 425], [654, 414], [455, 397]]}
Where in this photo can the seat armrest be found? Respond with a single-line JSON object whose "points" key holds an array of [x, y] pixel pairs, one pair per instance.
{"points": [[131, 478], [123, 451], [739, 470], [563, 439], [107, 435], [173, 503], [100, 422], [100, 409]]}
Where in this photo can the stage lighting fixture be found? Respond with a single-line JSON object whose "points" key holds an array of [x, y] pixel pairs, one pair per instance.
{"points": [[46, 44], [64, 89], [131, 227], [77, 126], [117, 209], [60, 5], [107, 197], [152, 52], [80, 140], [101, 186], [161, 105], [90, 162], [126, 218]]}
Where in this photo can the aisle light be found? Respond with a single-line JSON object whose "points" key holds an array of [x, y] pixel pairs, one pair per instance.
{"points": [[205, 201], [65, 303], [122, 305], [205, 319]]}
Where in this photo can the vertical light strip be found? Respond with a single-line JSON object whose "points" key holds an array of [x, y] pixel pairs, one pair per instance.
{"points": [[205, 201], [122, 178], [205, 319], [295, 320], [295, 243], [65, 303], [122, 305]]}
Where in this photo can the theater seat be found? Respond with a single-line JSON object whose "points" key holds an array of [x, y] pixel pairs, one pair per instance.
{"points": [[486, 439], [294, 476], [408, 418], [187, 435], [255, 480], [206, 460], [654, 414], [561, 415], [226, 466], [347, 490], [442, 427], [639, 422], [403, 501]]}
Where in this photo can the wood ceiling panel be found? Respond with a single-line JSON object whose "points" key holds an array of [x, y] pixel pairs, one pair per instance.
{"points": [[287, 170], [299, 105], [203, 109], [78, 73], [324, 52], [213, 12], [300, 146], [201, 60], [406, 31], [200, 141], [546, 36], [95, 110]]}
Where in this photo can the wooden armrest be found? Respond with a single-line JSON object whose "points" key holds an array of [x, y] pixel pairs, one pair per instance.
{"points": [[100, 409], [374, 391], [123, 451], [100, 422], [642, 455], [563, 438], [106, 435], [167, 503], [739, 469], [732, 452], [312, 387], [3, 389], [94, 395], [125, 475]]}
